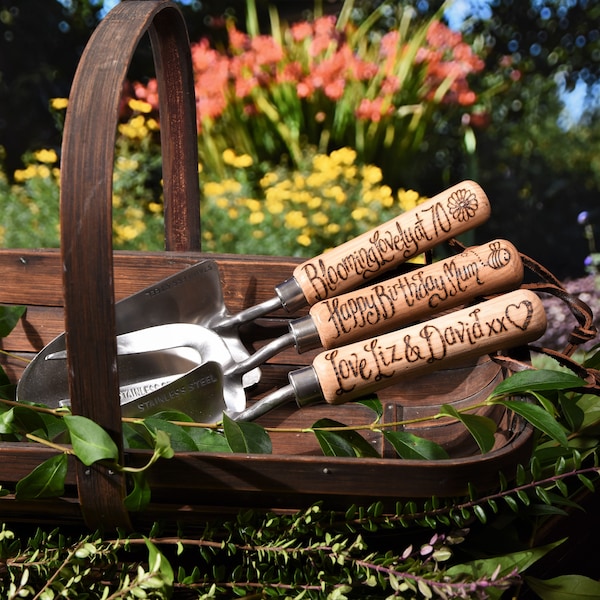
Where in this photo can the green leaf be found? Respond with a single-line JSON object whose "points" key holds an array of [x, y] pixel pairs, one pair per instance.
{"points": [[90, 442], [139, 497], [158, 563], [180, 440], [9, 317], [342, 443], [565, 587], [26, 420], [6, 421], [135, 437], [539, 418], [481, 428], [246, 437], [207, 440], [8, 392], [47, 480], [333, 444], [572, 412], [593, 361], [410, 446], [374, 404], [537, 381], [162, 445]]}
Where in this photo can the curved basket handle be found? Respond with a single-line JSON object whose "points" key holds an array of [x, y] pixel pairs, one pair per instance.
{"points": [[86, 214]]}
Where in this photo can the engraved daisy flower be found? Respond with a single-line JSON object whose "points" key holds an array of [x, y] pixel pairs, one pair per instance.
{"points": [[462, 205]]}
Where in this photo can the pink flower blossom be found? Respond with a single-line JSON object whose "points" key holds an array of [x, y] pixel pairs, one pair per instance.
{"points": [[373, 110], [300, 31]]}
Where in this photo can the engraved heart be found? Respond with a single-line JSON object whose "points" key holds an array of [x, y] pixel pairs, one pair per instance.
{"points": [[520, 314]]}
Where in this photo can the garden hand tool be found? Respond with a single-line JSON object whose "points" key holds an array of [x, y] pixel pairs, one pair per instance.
{"points": [[354, 263], [189, 298], [488, 269], [364, 367], [144, 351], [343, 374], [491, 268]]}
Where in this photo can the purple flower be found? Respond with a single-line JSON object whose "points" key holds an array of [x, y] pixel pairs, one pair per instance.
{"points": [[582, 217]]}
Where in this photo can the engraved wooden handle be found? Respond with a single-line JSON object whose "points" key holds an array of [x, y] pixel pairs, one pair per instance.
{"points": [[478, 271], [352, 264], [506, 321]]}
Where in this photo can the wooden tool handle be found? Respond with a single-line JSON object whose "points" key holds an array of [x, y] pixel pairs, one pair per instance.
{"points": [[361, 368], [352, 264], [488, 269]]}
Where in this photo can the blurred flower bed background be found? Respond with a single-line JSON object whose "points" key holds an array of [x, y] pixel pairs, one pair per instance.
{"points": [[307, 135]]}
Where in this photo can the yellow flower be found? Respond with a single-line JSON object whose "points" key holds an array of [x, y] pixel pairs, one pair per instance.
{"points": [[409, 199], [336, 193], [371, 174], [228, 156], [127, 164], [360, 213], [333, 228], [135, 128], [295, 219], [59, 103], [256, 218], [303, 240], [268, 180], [155, 207], [275, 206], [253, 205], [213, 188], [140, 106], [22, 175], [299, 182], [243, 161], [207, 235], [233, 213], [320, 219], [222, 203], [152, 125], [46, 156], [344, 156], [126, 233], [314, 202], [322, 163], [43, 171], [134, 212], [258, 234], [316, 180], [239, 162], [231, 185]]}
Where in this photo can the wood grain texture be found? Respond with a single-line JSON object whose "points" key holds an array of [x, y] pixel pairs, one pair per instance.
{"points": [[370, 255], [413, 296]]}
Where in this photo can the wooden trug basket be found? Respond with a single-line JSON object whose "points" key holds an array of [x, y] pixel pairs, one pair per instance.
{"points": [[75, 289]]}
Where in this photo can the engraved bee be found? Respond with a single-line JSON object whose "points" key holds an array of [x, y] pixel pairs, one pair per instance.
{"points": [[499, 256]]}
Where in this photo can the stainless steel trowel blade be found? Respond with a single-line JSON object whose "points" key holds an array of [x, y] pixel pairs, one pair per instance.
{"points": [[193, 296]]}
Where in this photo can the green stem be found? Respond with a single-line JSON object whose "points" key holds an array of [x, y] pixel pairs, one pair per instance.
{"points": [[15, 356], [39, 440]]}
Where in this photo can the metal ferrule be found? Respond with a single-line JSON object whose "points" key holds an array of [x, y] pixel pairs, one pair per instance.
{"points": [[306, 335], [307, 388], [291, 295]]}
